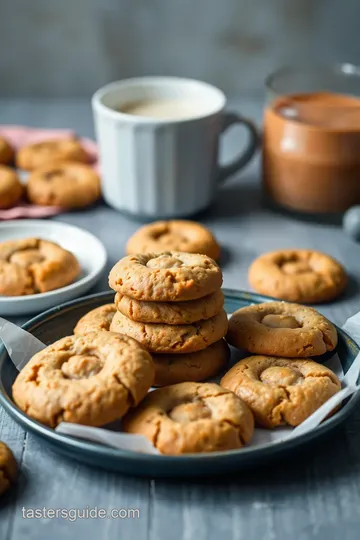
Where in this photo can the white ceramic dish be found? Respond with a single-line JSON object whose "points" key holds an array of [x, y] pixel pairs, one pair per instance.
{"points": [[89, 251]]}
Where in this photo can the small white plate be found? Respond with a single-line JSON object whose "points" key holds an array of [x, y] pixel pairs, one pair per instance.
{"points": [[89, 251]]}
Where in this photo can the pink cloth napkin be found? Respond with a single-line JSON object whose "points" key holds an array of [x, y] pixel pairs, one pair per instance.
{"points": [[19, 136]]}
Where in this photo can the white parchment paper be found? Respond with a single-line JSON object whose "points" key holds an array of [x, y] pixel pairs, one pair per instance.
{"points": [[22, 345]]}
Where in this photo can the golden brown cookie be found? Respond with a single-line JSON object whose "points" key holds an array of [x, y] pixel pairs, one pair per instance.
{"points": [[166, 277], [91, 380], [96, 320], [8, 468], [192, 418], [281, 390], [32, 265], [170, 312], [174, 339], [198, 366], [281, 329], [175, 235], [6, 152], [33, 156], [11, 189], [298, 275], [67, 184]]}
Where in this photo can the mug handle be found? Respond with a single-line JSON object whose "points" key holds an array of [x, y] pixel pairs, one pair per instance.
{"points": [[253, 144]]}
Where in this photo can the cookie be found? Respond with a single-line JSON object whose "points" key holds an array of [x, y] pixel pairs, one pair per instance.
{"points": [[281, 329], [298, 275], [175, 235], [67, 184], [32, 265], [174, 339], [6, 152], [11, 189], [8, 468], [91, 380], [170, 312], [196, 367], [96, 320], [33, 156], [166, 277], [191, 418], [281, 390]]}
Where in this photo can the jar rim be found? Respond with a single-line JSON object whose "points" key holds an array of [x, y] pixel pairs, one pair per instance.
{"points": [[344, 69]]}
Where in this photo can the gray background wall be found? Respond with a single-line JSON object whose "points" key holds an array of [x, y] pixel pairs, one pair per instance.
{"points": [[71, 47]]}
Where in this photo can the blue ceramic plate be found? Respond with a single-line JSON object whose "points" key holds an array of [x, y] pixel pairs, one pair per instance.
{"points": [[58, 322]]}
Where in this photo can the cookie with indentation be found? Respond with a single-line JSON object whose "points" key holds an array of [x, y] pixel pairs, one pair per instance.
{"points": [[171, 276], [92, 380], [281, 329], [174, 235], [195, 367], [96, 320], [32, 265], [11, 189], [175, 339], [6, 152], [298, 275], [192, 418], [281, 391], [35, 155], [8, 468], [67, 184], [170, 312]]}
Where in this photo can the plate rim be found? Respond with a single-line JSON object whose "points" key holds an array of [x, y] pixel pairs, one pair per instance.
{"points": [[101, 451], [101, 256]]}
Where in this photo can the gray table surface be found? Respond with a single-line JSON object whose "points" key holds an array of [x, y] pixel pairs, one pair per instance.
{"points": [[312, 495]]}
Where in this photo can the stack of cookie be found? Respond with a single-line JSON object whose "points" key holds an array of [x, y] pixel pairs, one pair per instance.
{"points": [[172, 304]]}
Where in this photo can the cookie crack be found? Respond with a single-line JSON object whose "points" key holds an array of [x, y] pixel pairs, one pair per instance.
{"points": [[329, 345], [278, 408], [33, 283], [307, 346], [130, 397], [157, 433], [213, 396], [237, 428], [35, 374], [287, 393]]}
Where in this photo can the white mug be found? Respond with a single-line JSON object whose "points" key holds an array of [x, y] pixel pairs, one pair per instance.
{"points": [[162, 168]]}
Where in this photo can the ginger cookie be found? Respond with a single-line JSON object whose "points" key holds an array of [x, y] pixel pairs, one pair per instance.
{"points": [[170, 312], [8, 468], [281, 390], [174, 235], [166, 277], [6, 152], [281, 329], [96, 320], [192, 418], [32, 266], [174, 339], [33, 156], [11, 189], [91, 380], [298, 275], [195, 367], [67, 184]]}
